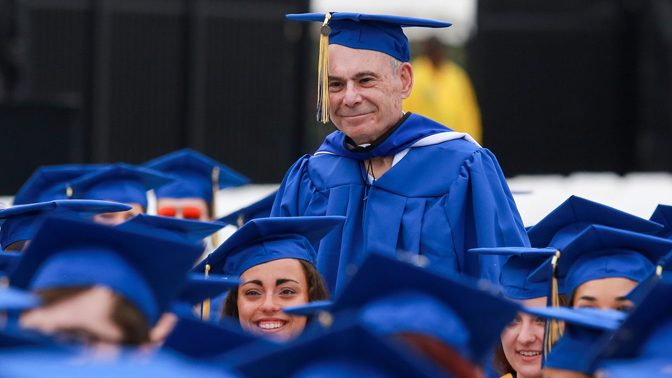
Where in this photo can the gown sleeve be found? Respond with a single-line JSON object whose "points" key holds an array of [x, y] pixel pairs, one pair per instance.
{"points": [[295, 191], [482, 213]]}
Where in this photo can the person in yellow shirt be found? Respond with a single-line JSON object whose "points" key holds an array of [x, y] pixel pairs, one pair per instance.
{"points": [[443, 92]]}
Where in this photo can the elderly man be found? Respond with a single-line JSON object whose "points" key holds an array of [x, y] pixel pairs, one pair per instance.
{"points": [[405, 183]]}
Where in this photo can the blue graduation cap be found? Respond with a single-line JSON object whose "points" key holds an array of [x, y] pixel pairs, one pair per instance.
{"points": [[584, 327], [184, 229], [644, 367], [200, 340], [119, 182], [146, 270], [259, 209], [475, 315], [570, 218], [520, 262], [376, 32], [8, 261], [20, 222], [602, 252], [30, 362], [196, 175], [51, 182], [663, 215], [267, 239], [15, 299], [198, 288], [647, 332], [344, 351]]}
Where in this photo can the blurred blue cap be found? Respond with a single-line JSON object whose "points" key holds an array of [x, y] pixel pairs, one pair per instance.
{"points": [[146, 270], [483, 314], [341, 352], [20, 222], [15, 299], [572, 216], [50, 182], [185, 229], [119, 182], [417, 313], [647, 332], [584, 327], [602, 252], [520, 262], [8, 261], [267, 239], [197, 288], [27, 363], [194, 173], [259, 209], [200, 340], [382, 33]]}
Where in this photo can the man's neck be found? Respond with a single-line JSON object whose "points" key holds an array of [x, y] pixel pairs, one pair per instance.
{"points": [[378, 166]]}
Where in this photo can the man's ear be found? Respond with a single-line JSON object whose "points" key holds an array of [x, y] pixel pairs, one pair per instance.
{"points": [[406, 77]]}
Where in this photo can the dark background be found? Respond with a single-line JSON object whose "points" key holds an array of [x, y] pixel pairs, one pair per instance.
{"points": [[563, 86]]}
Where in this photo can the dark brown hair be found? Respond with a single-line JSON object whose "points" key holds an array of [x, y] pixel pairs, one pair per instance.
{"points": [[317, 290], [132, 323]]}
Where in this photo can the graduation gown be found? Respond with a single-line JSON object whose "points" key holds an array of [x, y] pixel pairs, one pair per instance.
{"points": [[443, 195]]}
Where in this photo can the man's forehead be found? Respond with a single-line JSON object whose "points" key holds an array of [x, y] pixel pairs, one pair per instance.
{"points": [[346, 61]]}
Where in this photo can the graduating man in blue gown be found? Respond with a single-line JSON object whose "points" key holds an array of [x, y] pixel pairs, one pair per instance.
{"points": [[405, 183]]}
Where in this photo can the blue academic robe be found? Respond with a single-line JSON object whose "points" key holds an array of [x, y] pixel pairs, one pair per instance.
{"points": [[445, 196]]}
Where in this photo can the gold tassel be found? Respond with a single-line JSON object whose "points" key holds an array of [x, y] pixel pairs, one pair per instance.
{"points": [[69, 192], [323, 72], [553, 329], [205, 306], [659, 271]]}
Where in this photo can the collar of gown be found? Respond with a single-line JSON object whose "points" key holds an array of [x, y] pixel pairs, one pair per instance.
{"points": [[404, 134]]}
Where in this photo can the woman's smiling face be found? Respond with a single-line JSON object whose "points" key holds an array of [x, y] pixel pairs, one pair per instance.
{"points": [[267, 288]]}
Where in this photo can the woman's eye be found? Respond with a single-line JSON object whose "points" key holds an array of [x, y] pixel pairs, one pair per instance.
{"points": [[540, 321], [252, 293], [287, 292]]}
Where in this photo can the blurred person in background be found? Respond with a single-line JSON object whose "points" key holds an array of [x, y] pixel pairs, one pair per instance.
{"points": [[443, 91]]}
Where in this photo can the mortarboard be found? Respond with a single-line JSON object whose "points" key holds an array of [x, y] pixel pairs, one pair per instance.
{"points": [[663, 215], [146, 270], [376, 32], [8, 261], [267, 239], [119, 182], [197, 339], [644, 367], [20, 222], [342, 351], [66, 363], [198, 288], [49, 183], [483, 314], [184, 229], [259, 209], [520, 262], [602, 252], [584, 327], [196, 175], [15, 299], [570, 218]]}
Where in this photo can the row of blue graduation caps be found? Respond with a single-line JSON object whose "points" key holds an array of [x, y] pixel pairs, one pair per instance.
{"points": [[381, 298], [384, 296]]}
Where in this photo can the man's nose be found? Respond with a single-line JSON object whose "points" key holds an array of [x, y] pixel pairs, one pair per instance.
{"points": [[352, 96]]}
